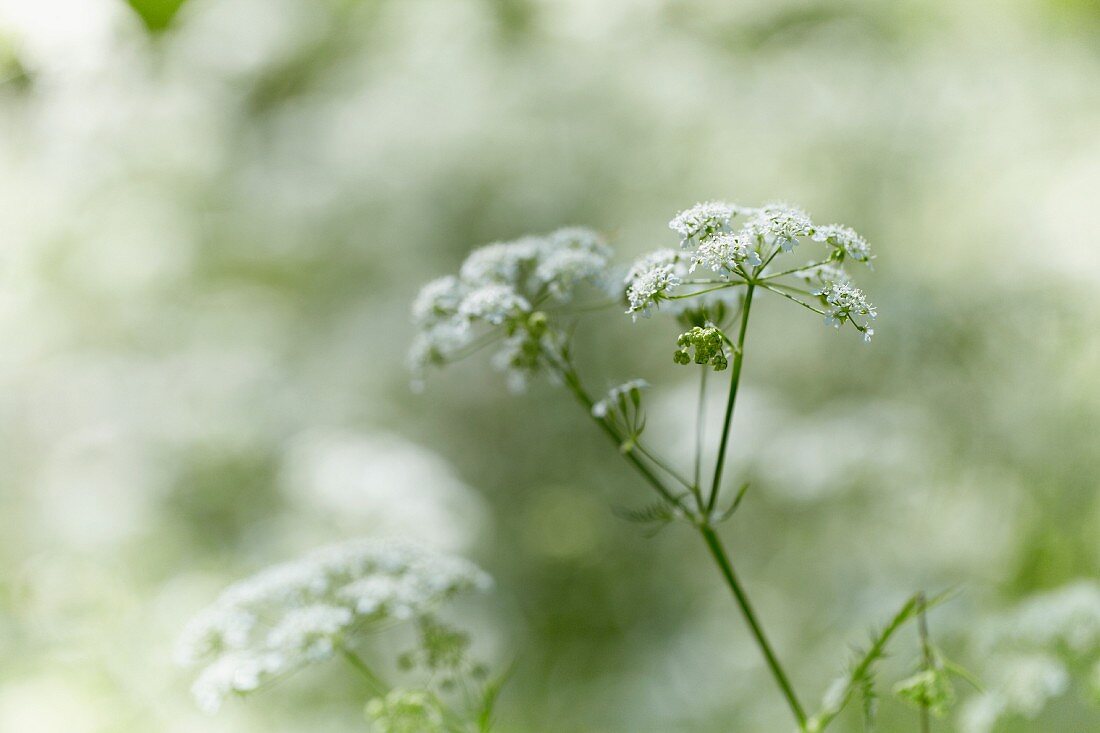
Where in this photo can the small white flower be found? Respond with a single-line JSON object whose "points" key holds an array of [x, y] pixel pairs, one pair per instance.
{"points": [[310, 630], [437, 300], [846, 239], [493, 303], [844, 302], [308, 605], [501, 262], [561, 270], [236, 672], [651, 278], [780, 224], [723, 252], [703, 220]]}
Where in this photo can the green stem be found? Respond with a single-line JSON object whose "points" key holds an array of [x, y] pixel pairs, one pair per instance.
{"points": [[794, 270], [700, 423], [734, 284], [663, 465], [735, 379], [374, 681], [791, 298], [926, 653], [714, 544], [573, 382]]}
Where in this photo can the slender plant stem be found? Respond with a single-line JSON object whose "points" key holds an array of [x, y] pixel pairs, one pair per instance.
{"points": [[794, 270], [700, 423], [573, 382], [735, 379], [926, 652], [732, 284], [663, 465], [374, 681], [710, 537], [790, 297], [718, 551]]}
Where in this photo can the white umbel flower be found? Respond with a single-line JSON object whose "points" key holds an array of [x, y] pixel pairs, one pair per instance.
{"points": [[844, 302], [493, 303], [651, 278], [703, 220], [562, 269], [498, 288], [780, 224], [500, 262], [845, 239], [295, 613], [437, 300], [722, 253]]}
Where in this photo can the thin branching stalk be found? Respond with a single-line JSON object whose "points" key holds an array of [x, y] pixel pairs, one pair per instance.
{"points": [[700, 423], [794, 270], [926, 658], [377, 685], [702, 522], [718, 552], [735, 379]]}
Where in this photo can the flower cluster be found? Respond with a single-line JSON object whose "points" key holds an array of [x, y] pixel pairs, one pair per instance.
{"points": [[780, 225], [497, 295], [299, 612], [726, 252], [703, 220], [844, 303], [709, 344], [743, 255], [651, 278], [844, 239], [1032, 650]]}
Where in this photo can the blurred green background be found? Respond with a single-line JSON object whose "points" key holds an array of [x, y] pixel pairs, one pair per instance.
{"points": [[212, 222]]}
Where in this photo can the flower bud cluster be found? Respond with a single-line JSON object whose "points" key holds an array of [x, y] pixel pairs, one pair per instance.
{"points": [[709, 345]]}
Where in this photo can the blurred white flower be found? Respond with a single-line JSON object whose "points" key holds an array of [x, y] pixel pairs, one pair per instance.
{"points": [[651, 278], [292, 614], [497, 292]]}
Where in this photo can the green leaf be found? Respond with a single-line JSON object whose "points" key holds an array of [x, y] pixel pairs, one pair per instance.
{"points": [[861, 674], [658, 511], [156, 14]]}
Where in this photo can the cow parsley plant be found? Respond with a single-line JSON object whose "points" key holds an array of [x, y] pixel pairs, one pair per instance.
{"points": [[523, 299]]}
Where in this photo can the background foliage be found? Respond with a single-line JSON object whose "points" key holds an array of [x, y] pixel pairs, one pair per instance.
{"points": [[212, 223]]}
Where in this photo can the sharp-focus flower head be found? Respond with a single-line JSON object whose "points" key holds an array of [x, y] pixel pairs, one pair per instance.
{"points": [[497, 297], [844, 303], [299, 612], [703, 220], [749, 255]]}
